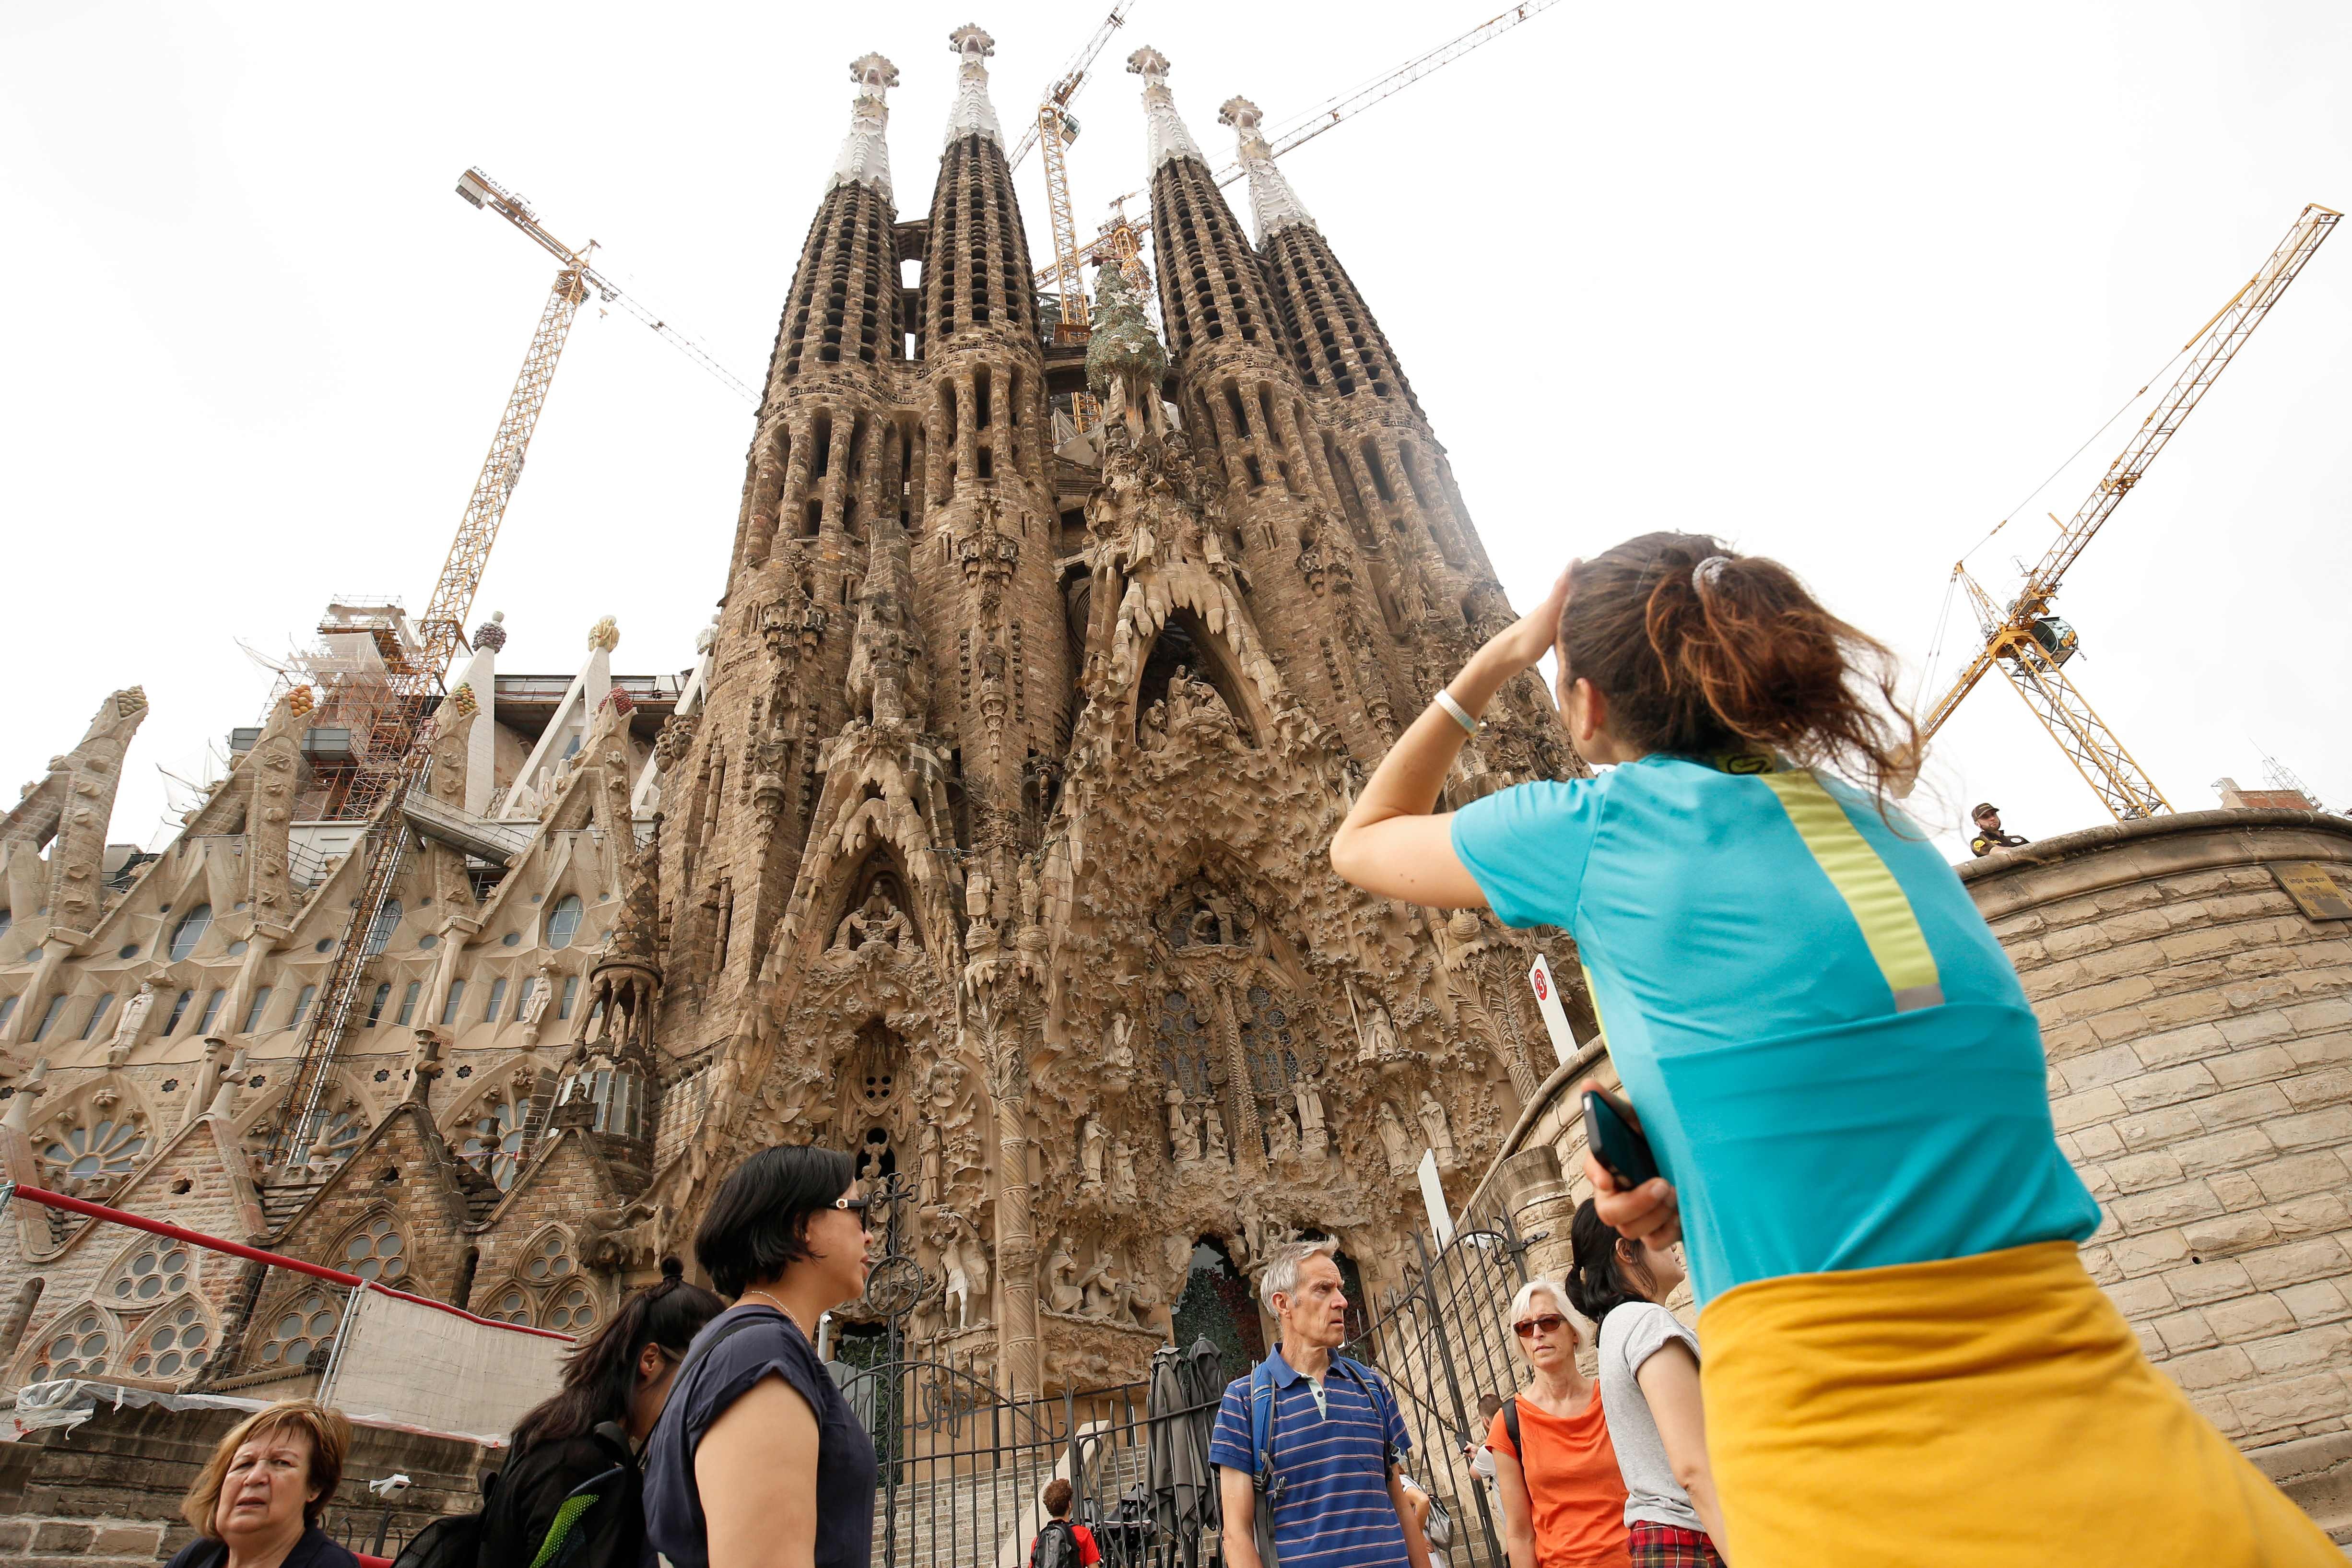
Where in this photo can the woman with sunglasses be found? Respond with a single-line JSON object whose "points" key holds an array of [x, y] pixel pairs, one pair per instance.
{"points": [[1648, 1378], [1563, 1496], [758, 1461], [620, 1378]]}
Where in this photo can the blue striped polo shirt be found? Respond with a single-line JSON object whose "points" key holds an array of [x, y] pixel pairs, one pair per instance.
{"points": [[1336, 1512]]}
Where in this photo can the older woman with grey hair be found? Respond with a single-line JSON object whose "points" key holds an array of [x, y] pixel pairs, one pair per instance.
{"points": [[1555, 1469]]}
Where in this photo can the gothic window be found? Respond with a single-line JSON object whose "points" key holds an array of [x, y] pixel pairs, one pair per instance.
{"points": [[573, 1310], [375, 1003], [508, 1306], [212, 1010], [176, 1343], [563, 921], [49, 1019], [1186, 1045], [303, 1000], [179, 1011], [376, 1251], [253, 1013], [304, 1328], [101, 1151], [97, 1014], [493, 1144], [1269, 1044], [191, 931], [498, 1000], [379, 931], [156, 1270], [551, 1258], [75, 1346]]}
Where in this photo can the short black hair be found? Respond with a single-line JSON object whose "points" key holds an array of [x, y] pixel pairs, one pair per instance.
{"points": [[758, 1223]]}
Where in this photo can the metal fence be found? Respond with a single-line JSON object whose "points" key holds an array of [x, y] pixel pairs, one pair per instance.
{"points": [[963, 1467]]}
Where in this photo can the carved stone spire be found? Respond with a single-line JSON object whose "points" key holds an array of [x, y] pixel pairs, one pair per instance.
{"points": [[889, 676], [972, 115], [1169, 139], [864, 153], [1273, 203]]}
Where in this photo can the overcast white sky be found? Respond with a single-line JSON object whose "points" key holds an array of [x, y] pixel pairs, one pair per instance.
{"points": [[1840, 282]]}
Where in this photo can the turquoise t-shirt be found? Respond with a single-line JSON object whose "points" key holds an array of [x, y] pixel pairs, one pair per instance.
{"points": [[1831, 1057]]}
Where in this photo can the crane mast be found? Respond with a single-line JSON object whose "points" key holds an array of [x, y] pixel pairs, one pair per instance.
{"points": [[2030, 645], [1120, 238]]}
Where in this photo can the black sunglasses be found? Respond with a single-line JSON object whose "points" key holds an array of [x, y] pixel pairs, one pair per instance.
{"points": [[1548, 1323]]}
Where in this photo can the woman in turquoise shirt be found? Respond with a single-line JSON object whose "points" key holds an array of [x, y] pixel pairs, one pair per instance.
{"points": [[1837, 1068]]}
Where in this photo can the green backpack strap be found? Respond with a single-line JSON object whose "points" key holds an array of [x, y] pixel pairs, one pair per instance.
{"points": [[577, 1503]]}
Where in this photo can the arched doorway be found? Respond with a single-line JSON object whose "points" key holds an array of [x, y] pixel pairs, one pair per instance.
{"points": [[1216, 1305]]}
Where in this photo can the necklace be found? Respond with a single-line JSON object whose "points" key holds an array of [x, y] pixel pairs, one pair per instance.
{"points": [[779, 1306]]}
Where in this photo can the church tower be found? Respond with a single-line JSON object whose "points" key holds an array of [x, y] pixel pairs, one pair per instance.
{"points": [[996, 851]]}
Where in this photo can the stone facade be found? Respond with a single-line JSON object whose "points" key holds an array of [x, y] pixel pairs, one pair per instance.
{"points": [[985, 839]]}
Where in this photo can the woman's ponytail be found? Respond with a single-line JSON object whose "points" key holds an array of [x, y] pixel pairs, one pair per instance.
{"points": [[1596, 1275], [1700, 652]]}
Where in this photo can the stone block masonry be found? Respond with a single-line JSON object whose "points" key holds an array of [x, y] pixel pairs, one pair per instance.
{"points": [[2198, 1028]]}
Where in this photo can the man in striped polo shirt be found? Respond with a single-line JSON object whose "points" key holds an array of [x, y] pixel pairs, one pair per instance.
{"points": [[1330, 1432]]}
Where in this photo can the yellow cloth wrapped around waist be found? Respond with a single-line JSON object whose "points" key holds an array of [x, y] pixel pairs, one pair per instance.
{"points": [[1976, 1411]]}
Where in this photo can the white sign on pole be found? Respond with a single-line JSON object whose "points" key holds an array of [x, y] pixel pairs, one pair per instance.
{"points": [[1432, 1197], [1563, 1043]]}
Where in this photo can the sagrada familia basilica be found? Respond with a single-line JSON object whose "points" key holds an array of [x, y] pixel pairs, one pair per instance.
{"points": [[986, 839]]}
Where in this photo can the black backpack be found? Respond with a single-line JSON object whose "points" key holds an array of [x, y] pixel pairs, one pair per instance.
{"points": [[1056, 1546], [588, 1512]]}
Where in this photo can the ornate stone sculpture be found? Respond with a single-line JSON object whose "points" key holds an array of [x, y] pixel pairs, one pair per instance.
{"points": [[876, 922], [1063, 1293], [1312, 1142], [1395, 1141], [1434, 1124], [119, 1044], [1092, 1140]]}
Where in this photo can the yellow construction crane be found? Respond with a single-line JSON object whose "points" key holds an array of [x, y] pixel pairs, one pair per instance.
{"points": [[395, 756], [1052, 132], [1121, 238], [2030, 645]]}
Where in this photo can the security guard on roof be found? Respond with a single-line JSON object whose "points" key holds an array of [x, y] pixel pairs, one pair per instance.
{"points": [[1989, 837]]}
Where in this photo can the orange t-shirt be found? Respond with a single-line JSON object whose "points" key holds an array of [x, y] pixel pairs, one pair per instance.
{"points": [[1573, 1484]]}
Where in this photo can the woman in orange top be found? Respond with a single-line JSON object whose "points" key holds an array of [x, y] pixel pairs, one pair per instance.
{"points": [[1563, 1496]]}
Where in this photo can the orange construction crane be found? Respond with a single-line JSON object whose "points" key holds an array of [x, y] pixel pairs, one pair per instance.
{"points": [[1054, 129], [2030, 645], [394, 757]]}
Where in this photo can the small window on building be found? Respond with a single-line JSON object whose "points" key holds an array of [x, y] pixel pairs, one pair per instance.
{"points": [[498, 1000], [6, 920], [571, 991], [522, 997], [380, 932], [49, 1019], [563, 921], [457, 1000], [7, 1010], [97, 1014], [302, 1006], [212, 1010], [190, 931], [179, 1011], [570, 747], [408, 1002], [376, 1002], [253, 1013]]}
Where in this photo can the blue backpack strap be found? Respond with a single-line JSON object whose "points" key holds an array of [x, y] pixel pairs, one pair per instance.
{"points": [[1262, 1398]]}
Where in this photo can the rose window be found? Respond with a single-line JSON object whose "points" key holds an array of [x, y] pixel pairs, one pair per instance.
{"points": [[550, 1259], [494, 1144], [306, 1327], [376, 1252], [511, 1306], [175, 1345], [95, 1153], [154, 1273], [78, 1348], [574, 1310]]}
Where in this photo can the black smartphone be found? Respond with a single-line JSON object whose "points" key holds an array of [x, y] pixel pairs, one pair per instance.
{"points": [[1610, 1133]]}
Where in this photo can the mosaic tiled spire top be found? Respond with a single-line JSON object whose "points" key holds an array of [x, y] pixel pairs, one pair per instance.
{"points": [[1169, 139], [1273, 203], [973, 114], [865, 152]]}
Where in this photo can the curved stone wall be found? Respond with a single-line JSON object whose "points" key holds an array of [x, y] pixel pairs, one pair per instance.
{"points": [[2199, 1025]]}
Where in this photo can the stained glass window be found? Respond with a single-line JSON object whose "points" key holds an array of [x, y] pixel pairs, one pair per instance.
{"points": [[154, 1273], [191, 931], [175, 1345], [574, 1310], [307, 1326], [1186, 1044], [76, 1348], [376, 1251], [100, 1152]]}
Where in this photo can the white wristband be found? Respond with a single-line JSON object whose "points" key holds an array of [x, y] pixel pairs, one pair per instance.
{"points": [[1445, 699]]}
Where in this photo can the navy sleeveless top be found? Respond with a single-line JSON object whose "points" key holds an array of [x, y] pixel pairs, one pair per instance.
{"points": [[675, 1525]]}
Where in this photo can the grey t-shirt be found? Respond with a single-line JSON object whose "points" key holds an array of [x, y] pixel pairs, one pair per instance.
{"points": [[1630, 1335]]}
